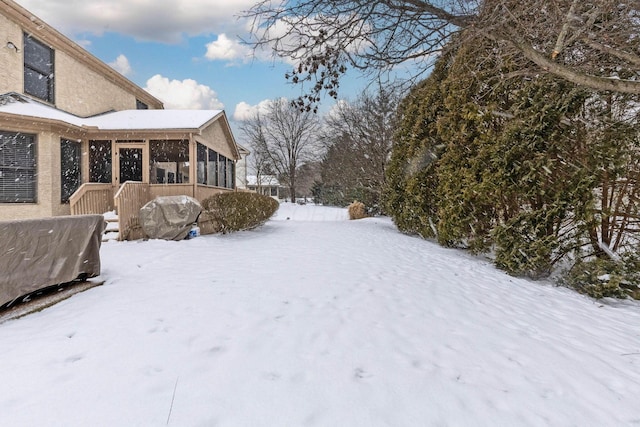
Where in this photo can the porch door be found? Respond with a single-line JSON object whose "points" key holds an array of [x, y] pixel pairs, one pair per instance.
{"points": [[130, 163]]}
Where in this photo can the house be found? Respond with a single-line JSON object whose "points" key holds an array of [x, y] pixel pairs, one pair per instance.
{"points": [[77, 137], [241, 168], [264, 184]]}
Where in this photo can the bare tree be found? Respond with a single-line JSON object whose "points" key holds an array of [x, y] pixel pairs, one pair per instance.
{"points": [[359, 138], [285, 138], [592, 43], [260, 161]]}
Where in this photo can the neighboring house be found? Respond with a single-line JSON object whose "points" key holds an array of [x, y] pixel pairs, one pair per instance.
{"points": [[241, 168], [264, 184], [73, 131]]}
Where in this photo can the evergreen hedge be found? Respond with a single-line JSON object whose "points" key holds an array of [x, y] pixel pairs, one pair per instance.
{"points": [[228, 212], [535, 171]]}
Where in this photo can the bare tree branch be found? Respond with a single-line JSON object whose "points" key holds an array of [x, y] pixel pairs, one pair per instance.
{"points": [[587, 43], [285, 137]]}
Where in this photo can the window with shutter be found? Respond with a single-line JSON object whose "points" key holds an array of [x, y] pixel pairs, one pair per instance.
{"points": [[18, 172]]}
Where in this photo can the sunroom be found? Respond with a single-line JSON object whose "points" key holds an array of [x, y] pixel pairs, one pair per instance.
{"points": [[115, 161]]}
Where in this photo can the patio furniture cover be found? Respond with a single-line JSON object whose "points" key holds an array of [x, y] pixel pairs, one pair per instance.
{"points": [[37, 253], [169, 217]]}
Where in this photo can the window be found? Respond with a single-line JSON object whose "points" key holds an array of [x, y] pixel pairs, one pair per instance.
{"points": [[222, 171], [212, 168], [70, 170], [231, 175], [38, 69], [141, 105], [215, 169], [202, 164], [169, 161], [100, 161], [17, 168]]}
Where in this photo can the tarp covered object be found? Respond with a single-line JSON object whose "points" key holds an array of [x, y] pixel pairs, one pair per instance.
{"points": [[169, 217], [37, 253]]}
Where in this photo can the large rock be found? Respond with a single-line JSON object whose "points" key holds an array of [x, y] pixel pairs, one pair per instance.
{"points": [[169, 217]]}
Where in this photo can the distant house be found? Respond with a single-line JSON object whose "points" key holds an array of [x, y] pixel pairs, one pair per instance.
{"points": [[74, 132], [241, 168], [264, 184]]}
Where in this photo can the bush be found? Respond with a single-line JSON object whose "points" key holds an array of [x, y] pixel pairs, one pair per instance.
{"points": [[227, 212], [524, 246], [601, 278], [357, 210]]}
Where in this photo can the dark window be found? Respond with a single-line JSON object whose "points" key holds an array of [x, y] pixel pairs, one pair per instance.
{"points": [[231, 174], [215, 169], [202, 164], [212, 168], [17, 168], [130, 162], [38, 69], [70, 170], [169, 161], [222, 171], [100, 161], [141, 105]]}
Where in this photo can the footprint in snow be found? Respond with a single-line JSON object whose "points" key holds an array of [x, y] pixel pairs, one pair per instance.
{"points": [[360, 374]]}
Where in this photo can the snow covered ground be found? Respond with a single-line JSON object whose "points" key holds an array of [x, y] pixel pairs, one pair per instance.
{"points": [[318, 321]]}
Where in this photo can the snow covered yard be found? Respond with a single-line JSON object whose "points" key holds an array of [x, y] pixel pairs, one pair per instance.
{"points": [[318, 321]]}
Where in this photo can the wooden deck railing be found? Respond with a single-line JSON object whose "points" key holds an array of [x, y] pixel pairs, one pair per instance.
{"points": [[92, 198], [129, 199], [171, 190]]}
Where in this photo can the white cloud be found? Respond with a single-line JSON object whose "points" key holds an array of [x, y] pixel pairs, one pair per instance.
{"points": [[227, 49], [296, 34], [121, 65], [183, 95], [172, 21], [246, 111], [84, 43], [160, 20]]}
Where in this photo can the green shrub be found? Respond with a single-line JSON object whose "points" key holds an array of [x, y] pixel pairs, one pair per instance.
{"points": [[601, 278], [526, 244], [227, 212]]}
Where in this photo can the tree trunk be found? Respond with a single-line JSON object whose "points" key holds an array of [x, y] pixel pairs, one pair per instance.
{"points": [[292, 188]]}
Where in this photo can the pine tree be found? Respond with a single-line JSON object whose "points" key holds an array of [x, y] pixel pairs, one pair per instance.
{"points": [[410, 195]]}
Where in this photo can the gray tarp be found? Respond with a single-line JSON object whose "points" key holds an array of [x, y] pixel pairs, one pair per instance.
{"points": [[38, 253], [169, 217]]}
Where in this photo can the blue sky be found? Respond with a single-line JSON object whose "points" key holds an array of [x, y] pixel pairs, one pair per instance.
{"points": [[185, 52]]}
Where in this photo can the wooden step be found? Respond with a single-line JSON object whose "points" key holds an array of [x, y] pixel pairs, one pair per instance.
{"points": [[112, 231]]}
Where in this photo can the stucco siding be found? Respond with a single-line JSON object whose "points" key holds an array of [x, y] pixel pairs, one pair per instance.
{"points": [[10, 60], [83, 92], [83, 85], [78, 89], [214, 137]]}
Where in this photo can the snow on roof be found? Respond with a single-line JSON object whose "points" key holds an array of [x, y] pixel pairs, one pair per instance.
{"points": [[265, 180], [117, 120], [152, 119], [13, 103]]}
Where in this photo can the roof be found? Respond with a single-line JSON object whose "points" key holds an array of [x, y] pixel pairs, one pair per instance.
{"points": [[265, 180], [243, 150], [17, 104], [153, 119]]}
